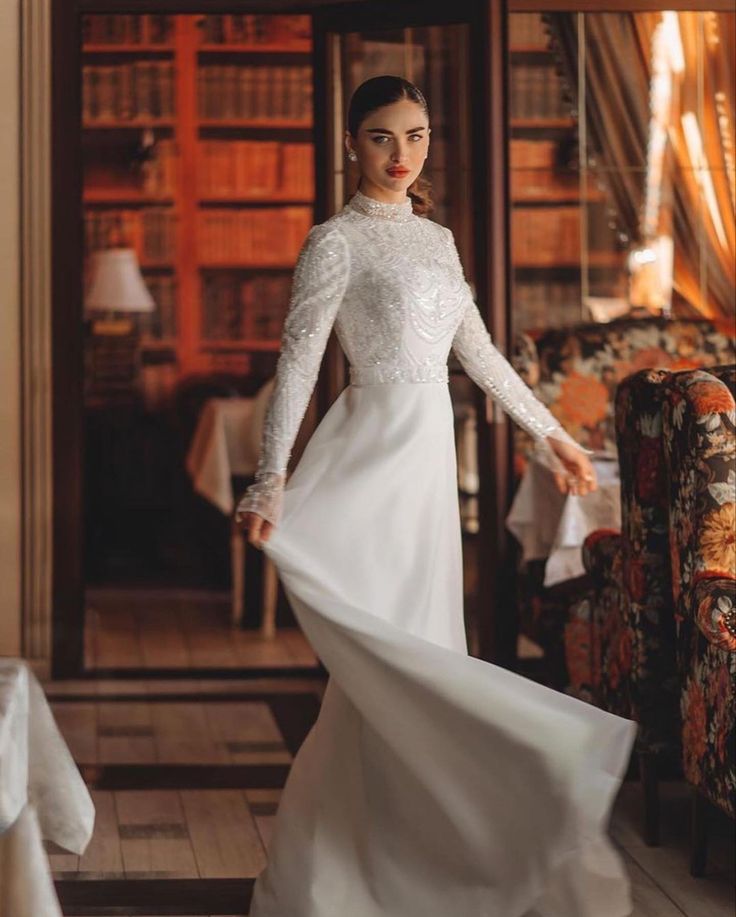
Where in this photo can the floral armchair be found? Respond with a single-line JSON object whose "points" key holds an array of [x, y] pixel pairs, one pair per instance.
{"points": [[699, 433], [656, 636], [628, 611], [575, 370]]}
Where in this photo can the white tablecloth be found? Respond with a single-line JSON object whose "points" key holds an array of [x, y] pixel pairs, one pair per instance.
{"points": [[551, 525], [42, 796], [226, 442]]}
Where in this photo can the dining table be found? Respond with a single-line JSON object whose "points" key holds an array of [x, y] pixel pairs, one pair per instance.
{"points": [[43, 797], [225, 445], [552, 526]]}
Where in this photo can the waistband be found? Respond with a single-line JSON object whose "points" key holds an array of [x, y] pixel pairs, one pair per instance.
{"points": [[380, 374]]}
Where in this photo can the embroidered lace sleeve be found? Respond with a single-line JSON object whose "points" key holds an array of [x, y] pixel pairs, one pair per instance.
{"points": [[490, 370], [319, 282]]}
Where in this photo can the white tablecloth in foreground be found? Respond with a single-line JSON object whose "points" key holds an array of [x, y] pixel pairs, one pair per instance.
{"points": [[42, 796], [225, 443], [548, 524]]}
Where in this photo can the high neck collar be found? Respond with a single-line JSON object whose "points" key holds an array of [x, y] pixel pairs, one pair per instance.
{"points": [[401, 211]]}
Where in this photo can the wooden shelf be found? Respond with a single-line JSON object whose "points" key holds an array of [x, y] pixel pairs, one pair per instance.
{"points": [[281, 48], [271, 201], [259, 124], [557, 196], [542, 123], [167, 50], [529, 49], [111, 197], [154, 344], [232, 266], [167, 124], [601, 260]]}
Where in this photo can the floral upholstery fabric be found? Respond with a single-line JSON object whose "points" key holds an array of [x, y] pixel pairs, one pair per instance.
{"points": [[654, 683], [575, 371], [598, 645], [699, 420], [656, 636]]}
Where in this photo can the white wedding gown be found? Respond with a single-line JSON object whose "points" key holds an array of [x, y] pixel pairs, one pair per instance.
{"points": [[433, 784]]}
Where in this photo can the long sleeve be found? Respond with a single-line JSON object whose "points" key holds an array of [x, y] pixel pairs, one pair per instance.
{"points": [[318, 286], [493, 373]]}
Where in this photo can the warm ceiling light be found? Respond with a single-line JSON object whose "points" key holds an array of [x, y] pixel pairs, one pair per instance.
{"points": [[673, 41], [694, 142]]}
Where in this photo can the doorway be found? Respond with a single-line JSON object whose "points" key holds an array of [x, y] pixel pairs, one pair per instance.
{"points": [[180, 158]]}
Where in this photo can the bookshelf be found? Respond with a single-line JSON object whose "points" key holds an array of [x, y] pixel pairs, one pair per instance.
{"points": [[197, 140], [557, 222]]}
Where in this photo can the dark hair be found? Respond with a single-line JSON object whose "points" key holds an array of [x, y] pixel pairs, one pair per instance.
{"points": [[384, 90]]}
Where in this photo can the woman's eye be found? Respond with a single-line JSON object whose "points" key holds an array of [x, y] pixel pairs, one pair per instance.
{"points": [[411, 136]]}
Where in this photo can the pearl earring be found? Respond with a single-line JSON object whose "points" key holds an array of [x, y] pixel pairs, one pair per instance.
{"points": [[352, 156]]}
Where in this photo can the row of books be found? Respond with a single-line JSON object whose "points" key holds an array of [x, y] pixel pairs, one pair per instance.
{"points": [[526, 30], [545, 305], [110, 364], [536, 91], [539, 170], [161, 324], [128, 29], [160, 172], [263, 91], [235, 309], [249, 168], [151, 231], [545, 237], [254, 29], [142, 90], [259, 236]]}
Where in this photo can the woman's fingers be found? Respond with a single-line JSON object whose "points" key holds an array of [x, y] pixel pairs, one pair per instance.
{"points": [[578, 479], [561, 482], [258, 528]]}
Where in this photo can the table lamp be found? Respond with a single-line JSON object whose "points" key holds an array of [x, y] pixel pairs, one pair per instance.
{"points": [[116, 286]]}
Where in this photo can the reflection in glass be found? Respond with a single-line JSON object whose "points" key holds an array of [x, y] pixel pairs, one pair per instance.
{"points": [[652, 101]]}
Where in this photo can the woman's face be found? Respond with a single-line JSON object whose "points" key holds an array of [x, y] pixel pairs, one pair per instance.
{"points": [[391, 146]]}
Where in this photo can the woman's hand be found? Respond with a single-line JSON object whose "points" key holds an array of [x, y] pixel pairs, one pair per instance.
{"points": [[579, 477], [257, 528]]}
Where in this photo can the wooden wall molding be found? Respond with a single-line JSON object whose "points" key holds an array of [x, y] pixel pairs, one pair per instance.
{"points": [[35, 342]]}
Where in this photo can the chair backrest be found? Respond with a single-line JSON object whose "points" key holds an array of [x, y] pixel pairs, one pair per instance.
{"points": [[575, 370], [647, 572], [699, 434], [699, 437]]}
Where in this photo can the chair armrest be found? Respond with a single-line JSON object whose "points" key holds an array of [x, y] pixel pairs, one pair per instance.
{"points": [[713, 609], [602, 556]]}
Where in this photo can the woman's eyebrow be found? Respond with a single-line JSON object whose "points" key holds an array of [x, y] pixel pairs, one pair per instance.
{"points": [[383, 130]]}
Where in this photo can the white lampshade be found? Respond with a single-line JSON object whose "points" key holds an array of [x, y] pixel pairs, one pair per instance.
{"points": [[117, 284]]}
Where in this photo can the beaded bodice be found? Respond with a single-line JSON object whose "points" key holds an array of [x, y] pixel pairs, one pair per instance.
{"points": [[392, 284]]}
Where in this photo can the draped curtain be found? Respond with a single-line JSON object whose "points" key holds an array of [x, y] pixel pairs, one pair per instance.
{"points": [[617, 61]]}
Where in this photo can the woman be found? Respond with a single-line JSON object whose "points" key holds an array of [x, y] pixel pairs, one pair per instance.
{"points": [[433, 784]]}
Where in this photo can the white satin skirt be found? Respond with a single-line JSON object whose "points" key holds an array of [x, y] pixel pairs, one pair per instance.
{"points": [[433, 784]]}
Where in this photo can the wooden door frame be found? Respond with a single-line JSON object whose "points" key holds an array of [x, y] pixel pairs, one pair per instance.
{"points": [[489, 167]]}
